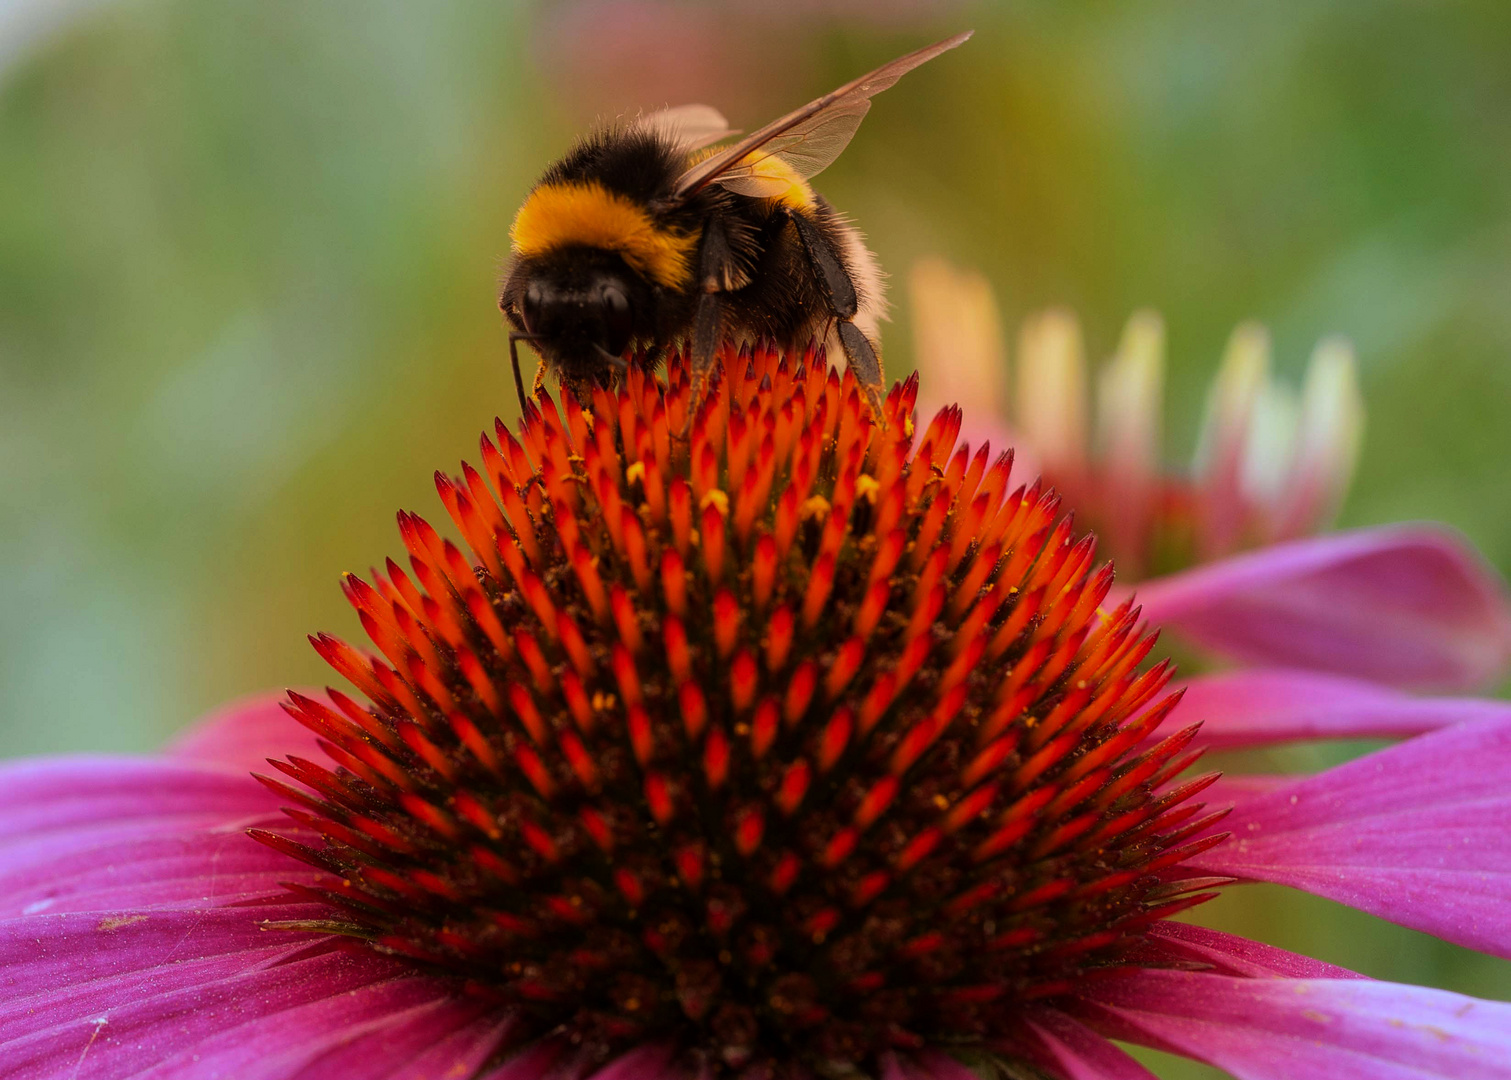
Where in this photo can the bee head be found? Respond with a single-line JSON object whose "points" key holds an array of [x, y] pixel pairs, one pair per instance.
{"points": [[578, 306]]}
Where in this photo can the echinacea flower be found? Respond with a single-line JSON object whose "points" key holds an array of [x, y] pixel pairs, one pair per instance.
{"points": [[1225, 551], [807, 745], [1269, 466]]}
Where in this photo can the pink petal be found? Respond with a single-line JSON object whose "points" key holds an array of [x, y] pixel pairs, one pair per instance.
{"points": [[927, 1065], [1306, 1029], [45, 959], [1416, 833], [1410, 606], [189, 994], [553, 1058], [934, 1065], [129, 956], [62, 972], [1270, 705], [54, 797], [439, 1037], [115, 871], [270, 1013], [648, 1062], [1229, 954], [1069, 1049], [924, 1065], [243, 735], [535, 1061], [114, 834]]}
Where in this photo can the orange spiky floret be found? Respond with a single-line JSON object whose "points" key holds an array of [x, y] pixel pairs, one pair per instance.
{"points": [[798, 738]]}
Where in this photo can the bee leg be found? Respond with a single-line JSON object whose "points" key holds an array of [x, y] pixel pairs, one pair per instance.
{"points": [[864, 362], [719, 271], [844, 302], [707, 325]]}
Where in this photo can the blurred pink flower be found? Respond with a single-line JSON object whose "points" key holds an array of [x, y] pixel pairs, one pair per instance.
{"points": [[1269, 466], [144, 935], [1223, 551], [621, 56]]}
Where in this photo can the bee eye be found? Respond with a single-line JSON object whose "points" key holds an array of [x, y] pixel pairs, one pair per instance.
{"points": [[533, 301], [618, 320]]}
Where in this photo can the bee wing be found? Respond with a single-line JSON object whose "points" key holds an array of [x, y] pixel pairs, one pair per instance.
{"points": [[809, 138], [688, 127], [809, 151]]}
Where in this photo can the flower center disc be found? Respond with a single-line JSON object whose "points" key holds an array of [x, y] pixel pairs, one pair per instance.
{"points": [[792, 739]]}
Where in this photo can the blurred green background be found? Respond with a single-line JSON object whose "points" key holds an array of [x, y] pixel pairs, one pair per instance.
{"points": [[248, 254]]}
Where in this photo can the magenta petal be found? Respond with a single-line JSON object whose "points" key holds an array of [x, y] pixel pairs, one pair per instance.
{"points": [[143, 945], [1306, 1029], [243, 735], [1069, 1049], [1415, 833], [923, 1065], [553, 1058], [934, 1065], [1228, 954], [648, 1062], [188, 994], [114, 870], [1409, 606], [121, 834], [54, 797], [438, 1037], [45, 959], [535, 1061], [1270, 705]]}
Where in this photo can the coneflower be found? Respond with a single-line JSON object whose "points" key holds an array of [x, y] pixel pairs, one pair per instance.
{"points": [[1270, 471], [788, 743], [1271, 464], [807, 743]]}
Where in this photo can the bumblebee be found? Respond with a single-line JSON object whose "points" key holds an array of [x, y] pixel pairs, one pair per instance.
{"points": [[644, 239]]}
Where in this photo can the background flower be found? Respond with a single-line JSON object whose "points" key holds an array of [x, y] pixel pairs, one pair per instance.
{"points": [[1270, 464], [1410, 606]]}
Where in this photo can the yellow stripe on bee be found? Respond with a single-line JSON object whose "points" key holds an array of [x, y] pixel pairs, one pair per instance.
{"points": [[797, 195], [590, 215]]}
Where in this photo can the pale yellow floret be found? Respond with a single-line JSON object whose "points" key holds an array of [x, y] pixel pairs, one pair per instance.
{"points": [[1130, 396], [958, 342], [1052, 389]]}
